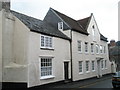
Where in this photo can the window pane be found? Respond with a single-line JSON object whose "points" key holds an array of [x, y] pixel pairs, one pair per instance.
{"points": [[79, 46], [42, 41], [80, 66], [46, 66]]}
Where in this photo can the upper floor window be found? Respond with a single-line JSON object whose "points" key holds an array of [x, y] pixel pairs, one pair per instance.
{"points": [[101, 49], [92, 47], [104, 49], [86, 46], [60, 25], [46, 42], [93, 32], [97, 49], [79, 46]]}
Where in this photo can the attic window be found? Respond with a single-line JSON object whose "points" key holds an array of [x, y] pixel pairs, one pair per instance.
{"points": [[93, 26], [60, 25]]}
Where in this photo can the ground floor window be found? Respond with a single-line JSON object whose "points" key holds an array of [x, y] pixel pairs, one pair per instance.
{"points": [[80, 66], [46, 67], [93, 65], [87, 66], [102, 64], [105, 63]]}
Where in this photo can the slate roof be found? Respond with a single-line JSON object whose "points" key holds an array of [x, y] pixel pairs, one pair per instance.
{"points": [[85, 22], [103, 38], [74, 25], [78, 25], [39, 26]]}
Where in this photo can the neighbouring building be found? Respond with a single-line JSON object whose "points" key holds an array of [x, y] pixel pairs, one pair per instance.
{"points": [[119, 21], [114, 55], [59, 48]]}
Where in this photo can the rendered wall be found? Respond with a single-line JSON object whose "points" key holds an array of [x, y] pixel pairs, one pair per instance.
{"points": [[60, 54], [14, 49], [0, 48], [77, 56]]}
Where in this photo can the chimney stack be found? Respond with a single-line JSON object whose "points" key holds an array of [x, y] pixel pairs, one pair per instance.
{"points": [[112, 43], [5, 4]]}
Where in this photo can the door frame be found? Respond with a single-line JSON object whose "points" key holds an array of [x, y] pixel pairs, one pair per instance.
{"points": [[66, 70]]}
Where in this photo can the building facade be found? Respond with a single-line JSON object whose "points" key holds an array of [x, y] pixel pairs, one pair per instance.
{"points": [[59, 48]]}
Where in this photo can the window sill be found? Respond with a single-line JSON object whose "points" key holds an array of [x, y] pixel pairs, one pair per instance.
{"points": [[81, 73], [87, 53], [46, 77], [93, 70], [87, 71], [47, 48], [79, 52]]}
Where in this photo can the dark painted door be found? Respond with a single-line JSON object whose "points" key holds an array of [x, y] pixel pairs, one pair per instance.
{"points": [[66, 71]]}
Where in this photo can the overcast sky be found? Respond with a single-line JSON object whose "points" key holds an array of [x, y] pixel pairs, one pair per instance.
{"points": [[104, 11]]}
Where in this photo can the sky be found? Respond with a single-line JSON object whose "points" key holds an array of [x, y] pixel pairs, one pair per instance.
{"points": [[104, 11]]}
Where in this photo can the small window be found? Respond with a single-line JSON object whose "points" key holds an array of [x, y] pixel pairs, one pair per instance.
{"points": [[46, 42], [105, 63], [79, 46], [104, 49], [93, 65], [60, 25], [92, 47], [101, 49], [87, 66], [80, 67], [97, 49], [46, 67], [102, 66], [86, 46]]}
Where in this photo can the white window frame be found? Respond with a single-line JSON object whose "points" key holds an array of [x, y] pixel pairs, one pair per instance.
{"points": [[93, 32], [97, 49], [93, 65], [92, 48], [87, 66], [46, 42], [79, 43], [101, 49], [60, 25], [86, 47], [104, 49], [102, 64], [49, 69], [105, 64], [80, 65]]}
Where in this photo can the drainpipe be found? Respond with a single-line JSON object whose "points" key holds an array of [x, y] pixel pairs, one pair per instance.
{"points": [[71, 56]]}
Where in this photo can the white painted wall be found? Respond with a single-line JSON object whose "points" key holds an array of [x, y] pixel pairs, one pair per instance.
{"points": [[0, 46], [60, 54], [88, 56], [14, 49], [119, 21]]}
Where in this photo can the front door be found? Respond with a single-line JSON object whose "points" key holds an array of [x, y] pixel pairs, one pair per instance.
{"points": [[98, 68], [66, 71]]}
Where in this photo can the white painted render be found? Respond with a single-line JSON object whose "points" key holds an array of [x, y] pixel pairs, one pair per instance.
{"points": [[82, 56], [21, 53], [59, 54], [1, 46], [13, 49]]}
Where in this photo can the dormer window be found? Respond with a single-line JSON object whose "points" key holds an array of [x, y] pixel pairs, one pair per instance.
{"points": [[60, 25]]}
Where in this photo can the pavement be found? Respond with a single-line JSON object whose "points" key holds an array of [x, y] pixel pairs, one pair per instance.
{"points": [[77, 84]]}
